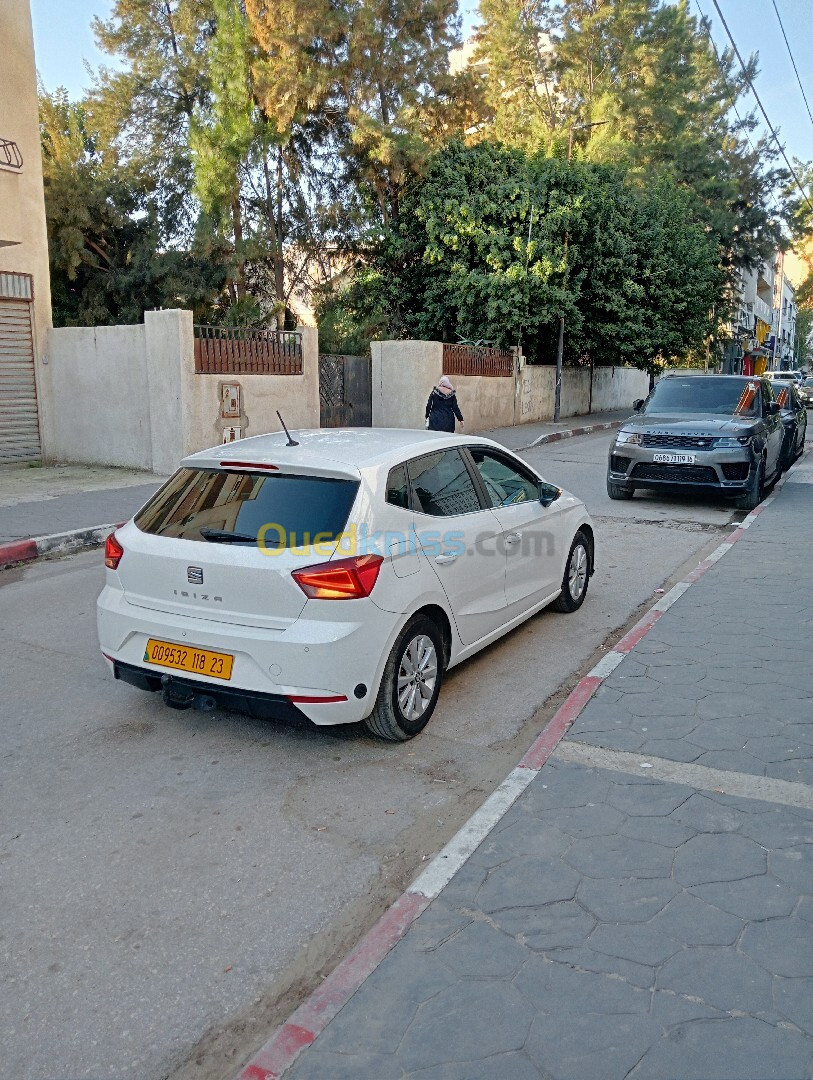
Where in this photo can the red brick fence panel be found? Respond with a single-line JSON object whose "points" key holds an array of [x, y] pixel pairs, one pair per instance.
{"points": [[477, 360], [226, 350]]}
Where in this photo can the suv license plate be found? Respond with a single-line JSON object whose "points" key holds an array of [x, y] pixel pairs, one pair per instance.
{"points": [[216, 665], [676, 459]]}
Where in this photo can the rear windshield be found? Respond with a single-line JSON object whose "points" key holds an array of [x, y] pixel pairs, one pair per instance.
{"points": [[706, 394], [231, 507]]}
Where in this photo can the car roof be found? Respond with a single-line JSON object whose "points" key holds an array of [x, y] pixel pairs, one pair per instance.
{"points": [[355, 448]]}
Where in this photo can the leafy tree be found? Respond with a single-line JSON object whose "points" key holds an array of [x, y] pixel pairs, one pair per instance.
{"points": [[146, 102], [107, 262], [480, 253]]}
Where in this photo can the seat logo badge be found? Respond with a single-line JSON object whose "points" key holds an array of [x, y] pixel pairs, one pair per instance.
{"points": [[194, 575]]}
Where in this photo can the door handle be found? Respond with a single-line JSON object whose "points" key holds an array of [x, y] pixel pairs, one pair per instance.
{"points": [[445, 557], [512, 538]]}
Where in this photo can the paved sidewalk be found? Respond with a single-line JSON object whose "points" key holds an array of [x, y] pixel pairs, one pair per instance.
{"points": [[61, 498], [524, 436], [644, 909]]}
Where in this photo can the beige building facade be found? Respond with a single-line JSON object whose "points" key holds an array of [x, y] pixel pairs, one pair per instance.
{"points": [[25, 291]]}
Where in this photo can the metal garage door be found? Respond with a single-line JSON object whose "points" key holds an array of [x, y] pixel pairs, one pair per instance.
{"points": [[19, 424]]}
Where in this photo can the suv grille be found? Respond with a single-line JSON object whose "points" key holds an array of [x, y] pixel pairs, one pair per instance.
{"points": [[678, 474], [680, 442]]}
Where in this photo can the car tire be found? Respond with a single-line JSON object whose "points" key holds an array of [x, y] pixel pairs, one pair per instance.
{"points": [[401, 709], [619, 491], [753, 497], [576, 577]]}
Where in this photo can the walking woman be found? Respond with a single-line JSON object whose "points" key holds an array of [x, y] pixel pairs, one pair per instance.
{"points": [[442, 407]]}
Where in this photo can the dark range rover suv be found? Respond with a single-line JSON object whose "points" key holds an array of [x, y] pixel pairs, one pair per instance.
{"points": [[712, 432]]}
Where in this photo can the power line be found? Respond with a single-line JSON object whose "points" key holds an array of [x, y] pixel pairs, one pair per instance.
{"points": [[790, 54], [759, 103], [761, 106]]}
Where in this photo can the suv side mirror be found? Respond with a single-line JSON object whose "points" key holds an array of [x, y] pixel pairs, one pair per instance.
{"points": [[638, 404], [773, 408], [548, 493]]}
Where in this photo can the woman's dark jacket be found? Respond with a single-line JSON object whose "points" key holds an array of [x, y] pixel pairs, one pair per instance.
{"points": [[441, 410]]}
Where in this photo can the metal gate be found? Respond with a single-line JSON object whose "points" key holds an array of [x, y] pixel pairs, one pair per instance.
{"points": [[345, 391], [19, 422]]}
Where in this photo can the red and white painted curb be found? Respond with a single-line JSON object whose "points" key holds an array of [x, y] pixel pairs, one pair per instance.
{"points": [[313, 1016], [65, 543], [570, 433]]}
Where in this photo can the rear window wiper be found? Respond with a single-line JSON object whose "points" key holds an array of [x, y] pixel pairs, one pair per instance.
{"points": [[222, 536]]}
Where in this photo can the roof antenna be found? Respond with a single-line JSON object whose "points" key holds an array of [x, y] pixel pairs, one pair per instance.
{"points": [[291, 442]]}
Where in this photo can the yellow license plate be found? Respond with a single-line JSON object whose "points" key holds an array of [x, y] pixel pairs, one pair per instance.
{"points": [[216, 665]]}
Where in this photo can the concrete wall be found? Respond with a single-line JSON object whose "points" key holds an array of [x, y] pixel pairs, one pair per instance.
{"points": [[95, 392], [129, 395], [404, 372]]}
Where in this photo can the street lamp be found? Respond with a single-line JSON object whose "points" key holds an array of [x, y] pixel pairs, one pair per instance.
{"points": [[560, 349]]}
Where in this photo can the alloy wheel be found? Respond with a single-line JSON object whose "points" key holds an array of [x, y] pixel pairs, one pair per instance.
{"points": [[417, 676], [577, 572]]}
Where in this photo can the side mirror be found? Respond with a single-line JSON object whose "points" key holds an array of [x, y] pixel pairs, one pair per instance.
{"points": [[548, 493], [773, 408], [638, 404]]}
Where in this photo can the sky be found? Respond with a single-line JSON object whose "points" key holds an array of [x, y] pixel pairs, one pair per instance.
{"points": [[64, 43]]}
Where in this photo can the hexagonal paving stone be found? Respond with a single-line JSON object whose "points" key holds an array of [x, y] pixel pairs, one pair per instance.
{"points": [[640, 943], [516, 1065], [719, 977], [760, 897], [781, 946], [527, 883], [794, 866], [712, 857], [594, 819], [692, 921], [443, 1030], [589, 1045], [563, 784], [626, 899], [522, 836], [586, 959], [565, 992], [481, 951], [555, 926], [319, 1065], [649, 799], [794, 999], [706, 815], [616, 856], [657, 830], [779, 828], [728, 1049]]}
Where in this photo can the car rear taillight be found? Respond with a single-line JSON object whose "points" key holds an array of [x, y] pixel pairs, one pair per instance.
{"points": [[113, 552], [345, 579]]}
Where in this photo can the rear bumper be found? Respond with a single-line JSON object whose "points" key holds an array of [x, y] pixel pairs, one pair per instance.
{"points": [[195, 693], [317, 666]]}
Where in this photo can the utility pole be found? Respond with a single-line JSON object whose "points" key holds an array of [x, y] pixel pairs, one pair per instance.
{"points": [[560, 350]]}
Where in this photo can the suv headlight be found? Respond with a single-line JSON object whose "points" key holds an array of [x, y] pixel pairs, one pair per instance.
{"points": [[631, 438], [741, 440]]}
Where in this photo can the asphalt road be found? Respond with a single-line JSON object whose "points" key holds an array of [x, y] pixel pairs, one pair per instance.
{"points": [[172, 883]]}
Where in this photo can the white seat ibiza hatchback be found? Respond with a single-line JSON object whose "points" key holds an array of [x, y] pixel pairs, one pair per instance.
{"points": [[337, 574]]}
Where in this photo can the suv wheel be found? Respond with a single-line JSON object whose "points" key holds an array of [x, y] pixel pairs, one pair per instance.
{"points": [[753, 497], [577, 576], [410, 684], [619, 491]]}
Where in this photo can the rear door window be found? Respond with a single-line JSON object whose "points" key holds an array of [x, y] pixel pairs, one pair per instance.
{"points": [[442, 485], [232, 507]]}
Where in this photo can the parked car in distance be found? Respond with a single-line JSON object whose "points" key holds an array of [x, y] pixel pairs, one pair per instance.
{"points": [[794, 420], [719, 433], [806, 392], [337, 575], [795, 375]]}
